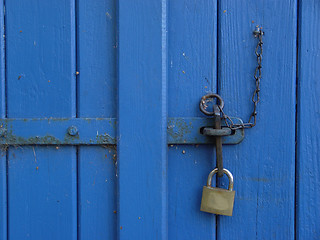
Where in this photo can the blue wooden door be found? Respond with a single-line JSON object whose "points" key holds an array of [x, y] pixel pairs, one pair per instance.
{"points": [[100, 122]]}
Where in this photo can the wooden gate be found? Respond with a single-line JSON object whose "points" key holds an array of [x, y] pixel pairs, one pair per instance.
{"points": [[100, 120]]}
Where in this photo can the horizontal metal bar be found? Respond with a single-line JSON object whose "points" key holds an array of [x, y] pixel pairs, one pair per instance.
{"points": [[99, 131], [55, 131]]}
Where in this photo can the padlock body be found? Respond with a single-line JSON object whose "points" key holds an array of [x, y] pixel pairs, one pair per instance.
{"points": [[217, 200]]}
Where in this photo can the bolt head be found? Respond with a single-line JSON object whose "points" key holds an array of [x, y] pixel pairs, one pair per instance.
{"points": [[73, 131]]}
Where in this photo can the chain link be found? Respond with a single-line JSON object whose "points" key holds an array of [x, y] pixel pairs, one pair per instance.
{"points": [[256, 94]]}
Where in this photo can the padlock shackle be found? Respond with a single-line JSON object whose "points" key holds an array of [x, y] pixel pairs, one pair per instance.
{"points": [[225, 171]]}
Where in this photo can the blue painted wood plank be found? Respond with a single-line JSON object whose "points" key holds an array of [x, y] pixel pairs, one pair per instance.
{"points": [[40, 54], [188, 169], [193, 55], [3, 158], [97, 97], [308, 147], [41, 193], [192, 74], [40, 58], [2, 63], [263, 165], [142, 116], [3, 196], [97, 62], [97, 193]]}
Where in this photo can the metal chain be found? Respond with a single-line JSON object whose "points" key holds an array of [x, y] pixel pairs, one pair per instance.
{"points": [[256, 94]]}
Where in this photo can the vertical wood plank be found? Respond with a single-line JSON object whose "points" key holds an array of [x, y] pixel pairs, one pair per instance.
{"points": [[3, 192], [192, 55], [3, 158], [42, 193], [264, 163], [42, 181], [97, 193], [192, 74], [97, 63], [97, 97], [188, 170], [2, 62], [308, 167], [142, 116], [40, 44]]}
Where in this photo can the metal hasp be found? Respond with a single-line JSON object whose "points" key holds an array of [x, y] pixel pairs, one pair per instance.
{"points": [[216, 131], [220, 129]]}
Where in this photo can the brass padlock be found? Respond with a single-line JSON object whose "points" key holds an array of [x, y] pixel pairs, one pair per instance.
{"points": [[218, 200]]}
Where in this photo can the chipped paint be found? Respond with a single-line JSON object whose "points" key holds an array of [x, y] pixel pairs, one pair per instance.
{"points": [[187, 131], [99, 131], [54, 131]]}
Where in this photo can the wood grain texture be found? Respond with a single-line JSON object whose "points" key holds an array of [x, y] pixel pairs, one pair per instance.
{"points": [[40, 59], [42, 191], [192, 73], [3, 199], [97, 193], [308, 144], [142, 116], [3, 158], [42, 181], [263, 165], [192, 55], [169, 54], [188, 170], [97, 97], [96, 58]]}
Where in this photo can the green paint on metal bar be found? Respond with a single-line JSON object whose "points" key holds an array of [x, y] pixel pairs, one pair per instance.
{"points": [[99, 131]]}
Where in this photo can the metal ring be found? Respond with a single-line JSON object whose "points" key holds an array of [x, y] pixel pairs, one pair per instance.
{"points": [[225, 171], [205, 98], [212, 132]]}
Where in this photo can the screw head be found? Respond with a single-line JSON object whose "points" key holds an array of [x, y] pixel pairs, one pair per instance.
{"points": [[258, 31], [73, 131]]}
